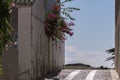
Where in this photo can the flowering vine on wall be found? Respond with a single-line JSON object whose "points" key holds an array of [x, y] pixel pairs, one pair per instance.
{"points": [[56, 26], [5, 27]]}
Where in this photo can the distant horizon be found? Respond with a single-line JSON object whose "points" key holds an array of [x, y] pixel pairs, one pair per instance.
{"points": [[112, 66]]}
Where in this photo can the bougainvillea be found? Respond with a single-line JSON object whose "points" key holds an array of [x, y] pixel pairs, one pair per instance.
{"points": [[56, 26], [5, 27]]}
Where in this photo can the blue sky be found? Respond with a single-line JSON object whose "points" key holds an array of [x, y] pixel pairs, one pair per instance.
{"points": [[93, 32]]}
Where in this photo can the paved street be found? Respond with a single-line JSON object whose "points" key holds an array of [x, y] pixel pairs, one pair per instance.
{"points": [[72, 74]]}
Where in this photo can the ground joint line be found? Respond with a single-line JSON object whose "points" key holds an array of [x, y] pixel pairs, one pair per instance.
{"points": [[91, 75], [72, 75]]}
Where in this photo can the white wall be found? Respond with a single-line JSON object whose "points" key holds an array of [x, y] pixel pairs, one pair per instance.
{"points": [[37, 55]]}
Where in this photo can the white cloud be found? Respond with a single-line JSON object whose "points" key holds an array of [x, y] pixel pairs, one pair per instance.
{"points": [[94, 58], [71, 49]]}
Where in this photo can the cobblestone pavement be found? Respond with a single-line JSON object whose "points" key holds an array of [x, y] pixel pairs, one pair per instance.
{"points": [[73, 74]]}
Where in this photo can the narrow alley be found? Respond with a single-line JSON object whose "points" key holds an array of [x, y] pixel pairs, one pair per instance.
{"points": [[73, 74]]}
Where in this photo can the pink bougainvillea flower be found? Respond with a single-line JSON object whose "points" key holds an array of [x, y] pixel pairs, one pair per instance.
{"points": [[64, 24], [55, 24], [70, 33], [47, 24], [65, 30], [13, 4], [54, 16], [71, 24], [56, 7], [63, 38]]}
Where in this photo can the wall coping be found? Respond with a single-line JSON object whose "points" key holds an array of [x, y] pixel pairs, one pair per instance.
{"points": [[23, 2]]}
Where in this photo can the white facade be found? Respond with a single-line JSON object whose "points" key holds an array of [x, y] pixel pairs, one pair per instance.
{"points": [[36, 55]]}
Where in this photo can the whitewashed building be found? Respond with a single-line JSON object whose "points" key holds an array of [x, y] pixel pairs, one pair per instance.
{"points": [[35, 55]]}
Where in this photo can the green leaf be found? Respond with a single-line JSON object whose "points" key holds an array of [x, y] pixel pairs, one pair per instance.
{"points": [[67, 15], [66, 1], [71, 8]]}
